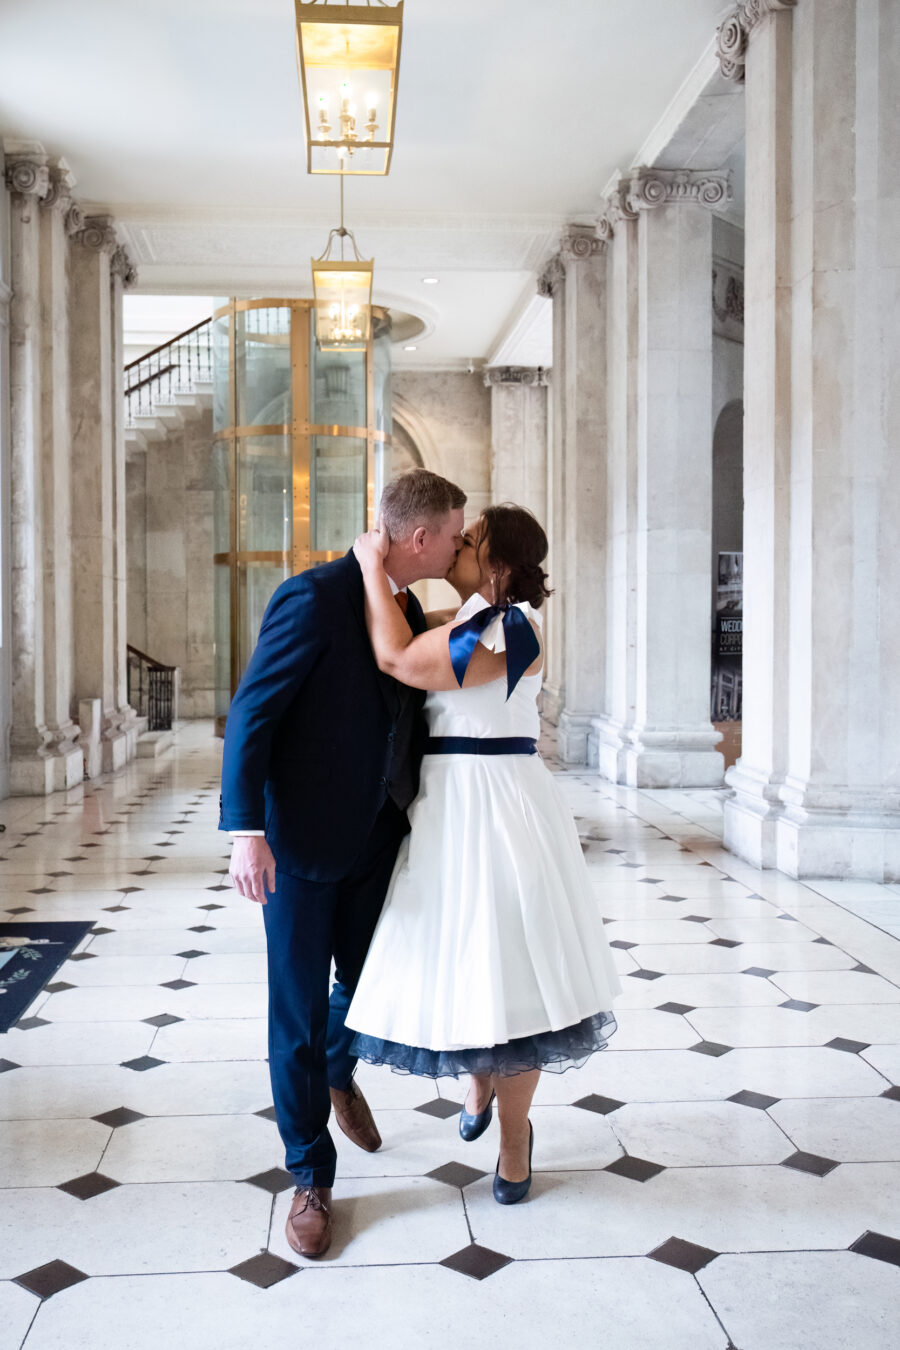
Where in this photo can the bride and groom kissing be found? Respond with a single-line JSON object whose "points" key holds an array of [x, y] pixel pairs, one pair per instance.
{"points": [[390, 812]]}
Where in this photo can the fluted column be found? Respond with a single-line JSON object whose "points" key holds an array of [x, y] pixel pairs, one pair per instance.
{"points": [[826, 800], [577, 283], [42, 756], [519, 436], [672, 741]]}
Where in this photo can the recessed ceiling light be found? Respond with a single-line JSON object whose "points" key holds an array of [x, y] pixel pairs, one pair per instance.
{"points": [[410, 348], [430, 281]]}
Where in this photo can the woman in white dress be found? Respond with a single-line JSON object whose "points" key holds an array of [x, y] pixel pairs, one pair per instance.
{"points": [[489, 957]]}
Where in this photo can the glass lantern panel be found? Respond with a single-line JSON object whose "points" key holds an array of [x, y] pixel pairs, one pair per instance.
{"points": [[337, 491], [263, 366], [221, 474], [222, 602], [337, 386], [257, 582], [221, 328], [264, 493], [343, 305], [349, 76]]}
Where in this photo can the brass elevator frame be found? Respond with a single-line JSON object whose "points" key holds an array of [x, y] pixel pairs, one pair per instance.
{"points": [[300, 556]]}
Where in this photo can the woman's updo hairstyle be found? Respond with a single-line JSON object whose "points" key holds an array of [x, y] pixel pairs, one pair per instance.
{"points": [[515, 541]]}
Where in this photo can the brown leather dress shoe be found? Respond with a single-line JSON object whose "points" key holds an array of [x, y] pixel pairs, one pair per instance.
{"points": [[355, 1118], [309, 1225]]}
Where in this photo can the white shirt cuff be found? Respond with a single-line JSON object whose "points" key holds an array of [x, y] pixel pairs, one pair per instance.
{"points": [[247, 834]]}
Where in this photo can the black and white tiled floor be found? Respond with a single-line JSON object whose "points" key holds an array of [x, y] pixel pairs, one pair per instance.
{"points": [[727, 1175]]}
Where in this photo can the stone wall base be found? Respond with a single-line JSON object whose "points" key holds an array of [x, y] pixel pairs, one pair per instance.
{"points": [[574, 731], [38, 774], [673, 758]]}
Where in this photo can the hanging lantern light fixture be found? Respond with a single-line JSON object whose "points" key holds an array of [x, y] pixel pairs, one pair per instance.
{"points": [[342, 291], [349, 60]]}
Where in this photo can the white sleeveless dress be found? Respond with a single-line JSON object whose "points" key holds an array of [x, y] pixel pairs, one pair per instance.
{"points": [[490, 954]]}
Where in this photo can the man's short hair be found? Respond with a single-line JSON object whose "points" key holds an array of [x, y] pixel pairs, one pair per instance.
{"points": [[416, 498]]}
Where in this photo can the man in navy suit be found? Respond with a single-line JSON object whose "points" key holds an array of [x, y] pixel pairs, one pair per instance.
{"points": [[321, 760]]}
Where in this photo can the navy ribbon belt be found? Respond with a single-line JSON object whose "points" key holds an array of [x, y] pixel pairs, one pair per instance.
{"points": [[480, 745], [522, 647]]}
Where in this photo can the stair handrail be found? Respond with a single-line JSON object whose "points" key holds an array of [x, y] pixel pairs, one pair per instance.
{"points": [[149, 660], [172, 367], [163, 345]]}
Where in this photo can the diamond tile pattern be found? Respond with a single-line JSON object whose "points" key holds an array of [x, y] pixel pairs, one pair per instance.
{"points": [[879, 1247], [50, 1279], [636, 1169], [756, 1099], [274, 1181], [683, 1255], [476, 1262], [86, 1187], [440, 1108], [810, 1162], [121, 1116], [264, 1270], [604, 1106], [456, 1174]]}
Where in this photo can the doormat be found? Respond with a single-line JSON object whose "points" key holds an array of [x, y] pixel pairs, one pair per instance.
{"points": [[30, 955]]}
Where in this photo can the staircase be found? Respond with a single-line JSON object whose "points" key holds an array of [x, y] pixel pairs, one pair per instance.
{"points": [[168, 386]]}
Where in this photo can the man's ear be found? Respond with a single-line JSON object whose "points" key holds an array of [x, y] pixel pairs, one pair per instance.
{"points": [[418, 539]]}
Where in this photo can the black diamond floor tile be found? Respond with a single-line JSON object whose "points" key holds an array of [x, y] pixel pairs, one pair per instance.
{"points": [[842, 1043], [123, 1115], [798, 1005], [178, 984], [623, 946], [142, 1063], [710, 1048], [86, 1187], [202, 928], [264, 1270], [267, 1114], [675, 1007], [604, 1106], [695, 918], [101, 932], [162, 1020], [645, 974], [456, 1174], [116, 909], [45, 1281], [823, 942], [635, 1169], [683, 1255], [892, 1094], [476, 1262], [220, 887], [674, 898], [83, 956], [810, 1162], [879, 1247], [30, 1023], [129, 890], [7, 1065], [274, 1181], [21, 909], [42, 890], [724, 942], [759, 1100], [758, 970], [652, 881], [59, 987], [440, 1108], [191, 954], [210, 907]]}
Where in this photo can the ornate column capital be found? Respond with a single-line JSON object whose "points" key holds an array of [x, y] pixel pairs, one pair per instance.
{"points": [[734, 31], [27, 173], [535, 377], [580, 242], [666, 187], [98, 234], [551, 278], [615, 211], [123, 267], [59, 196]]}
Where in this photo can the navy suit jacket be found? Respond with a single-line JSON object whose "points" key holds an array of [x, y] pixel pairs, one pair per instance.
{"points": [[317, 737]]}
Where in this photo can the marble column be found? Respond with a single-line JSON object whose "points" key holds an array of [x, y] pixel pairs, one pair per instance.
{"points": [[672, 741], [42, 755], [610, 740], [577, 282], [838, 811], [552, 286], [94, 482], [123, 275], [519, 436]]}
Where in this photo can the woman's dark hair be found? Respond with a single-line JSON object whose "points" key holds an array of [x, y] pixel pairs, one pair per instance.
{"points": [[515, 540]]}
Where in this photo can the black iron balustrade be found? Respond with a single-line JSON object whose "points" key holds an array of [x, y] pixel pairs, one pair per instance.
{"points": [[151, 689], [172, 368]]}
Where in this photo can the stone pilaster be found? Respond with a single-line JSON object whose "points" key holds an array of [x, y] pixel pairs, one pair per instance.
{"points": [[94, 481], [832, 791], [519, 436], [577, 489], [40, 761], [672, 741], [552, 285], [733, 33], [123, 275]]}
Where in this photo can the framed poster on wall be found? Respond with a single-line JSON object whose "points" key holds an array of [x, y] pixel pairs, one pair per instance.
{"points": [[728, 634]]}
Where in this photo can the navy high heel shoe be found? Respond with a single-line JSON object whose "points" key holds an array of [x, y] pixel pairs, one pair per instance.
{"points": [[473, 1126], [511, 1192]]}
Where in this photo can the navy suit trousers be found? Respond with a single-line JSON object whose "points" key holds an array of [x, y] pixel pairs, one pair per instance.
{"points": [[307, 924]]}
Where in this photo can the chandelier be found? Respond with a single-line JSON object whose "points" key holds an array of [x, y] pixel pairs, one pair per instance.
{"points": [[349, 59], [342, 291]]}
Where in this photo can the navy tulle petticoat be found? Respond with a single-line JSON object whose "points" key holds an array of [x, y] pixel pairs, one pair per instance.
{"points": [[556, 1051]]}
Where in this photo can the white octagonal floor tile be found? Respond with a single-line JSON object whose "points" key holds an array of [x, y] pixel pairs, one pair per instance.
{"points": [[193, 1148], [851, 1129], [699, 1134], [47, 1152]]}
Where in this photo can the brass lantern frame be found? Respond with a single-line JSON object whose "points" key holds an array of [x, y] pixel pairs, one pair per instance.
{"points": [[319, 39]]}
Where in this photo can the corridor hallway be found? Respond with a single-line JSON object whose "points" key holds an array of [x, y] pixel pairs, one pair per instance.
{"points": [[726, 1174]]}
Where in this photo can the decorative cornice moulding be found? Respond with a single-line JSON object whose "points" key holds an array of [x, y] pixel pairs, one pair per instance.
{"points": [[122, 266], [649, 188], [579, 242], [733, 33], [536, 377], [551, 277], [59, 191], [98, 234]]}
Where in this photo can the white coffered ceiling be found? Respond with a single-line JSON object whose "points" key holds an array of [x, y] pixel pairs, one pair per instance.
{"points": [[182, 118]]}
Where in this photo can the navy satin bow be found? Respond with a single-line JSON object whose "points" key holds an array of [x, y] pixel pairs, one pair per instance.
{"points": [[522, 647]]}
